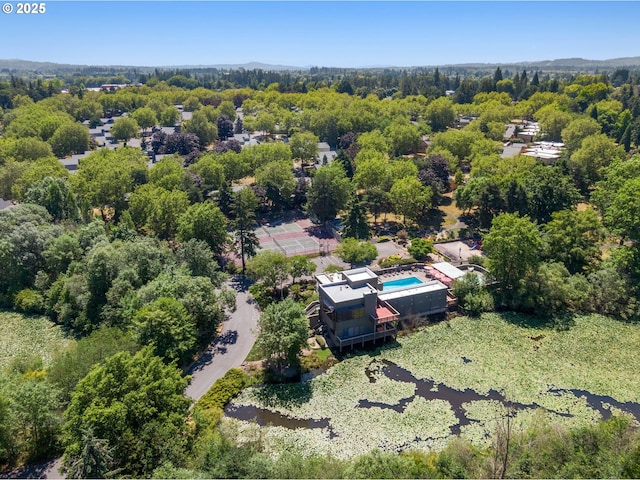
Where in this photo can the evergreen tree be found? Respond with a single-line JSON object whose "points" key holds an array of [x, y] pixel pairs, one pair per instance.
{"points": [[626, 138], [244, 208], [356, 225], [497, 76], [535, 81], [238, 126], [225, 198]]}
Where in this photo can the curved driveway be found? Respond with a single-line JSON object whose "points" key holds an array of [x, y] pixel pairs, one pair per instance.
{"points": [[231, 347]]}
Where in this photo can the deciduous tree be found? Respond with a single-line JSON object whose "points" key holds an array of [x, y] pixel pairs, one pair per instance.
{"points": [[168, 328], [125, 129], [513, 246], [278, 181], [145, 117], [269, 267], [134, 403], [70, 138], [409, 198], [304, 146], [329, 192], [354, 252], [284, 330], [204, 221]]}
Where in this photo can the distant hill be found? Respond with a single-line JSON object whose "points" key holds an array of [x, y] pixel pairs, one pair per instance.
{"points": [[572, 63], [19, 66], [238, 66], [26, 66]]}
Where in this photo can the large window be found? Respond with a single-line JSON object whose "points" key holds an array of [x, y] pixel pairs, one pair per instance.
{"points": [[350, 314]]}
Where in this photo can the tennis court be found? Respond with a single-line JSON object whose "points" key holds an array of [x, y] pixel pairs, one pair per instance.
{"points": [[298, 237]]}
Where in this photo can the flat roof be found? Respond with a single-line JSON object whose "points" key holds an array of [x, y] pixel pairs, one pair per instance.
{"points": [[343, 292], [542, 155], [326, 278], [448, 269], [510, 151], [359, 274], [432, 286]]}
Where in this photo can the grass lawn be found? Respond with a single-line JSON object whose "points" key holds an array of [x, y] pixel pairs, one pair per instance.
{"points": [[544, 372], [451, 209], [254, 354], [24, 336]]}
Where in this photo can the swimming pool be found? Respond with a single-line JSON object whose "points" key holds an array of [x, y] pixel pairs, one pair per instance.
{"points": [[401, 282]]}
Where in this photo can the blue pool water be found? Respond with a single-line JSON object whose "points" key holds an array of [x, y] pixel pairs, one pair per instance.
{"points": [[402, 282]]}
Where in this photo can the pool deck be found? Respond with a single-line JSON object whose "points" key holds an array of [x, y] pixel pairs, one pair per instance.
{"points": [[418, 273]]}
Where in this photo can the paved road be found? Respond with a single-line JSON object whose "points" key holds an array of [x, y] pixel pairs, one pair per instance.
{"points": [[232, 346]]}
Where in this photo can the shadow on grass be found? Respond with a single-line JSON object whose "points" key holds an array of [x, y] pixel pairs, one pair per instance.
{"points": [[471, 220], [433, 220], [369, 348]]}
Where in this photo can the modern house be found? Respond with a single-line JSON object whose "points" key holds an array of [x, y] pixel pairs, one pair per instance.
{"points": [[356, 307]]}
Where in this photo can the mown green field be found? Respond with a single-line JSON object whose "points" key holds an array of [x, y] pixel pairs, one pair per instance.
{"points": [[540, 371], [26, 336]]}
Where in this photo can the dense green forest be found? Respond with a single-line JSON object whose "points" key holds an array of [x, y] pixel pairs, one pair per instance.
{"points": [[131, 258]]}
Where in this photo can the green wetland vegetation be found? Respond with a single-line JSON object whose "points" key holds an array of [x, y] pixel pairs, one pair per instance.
{"points": [[462, 376], [129, 256], [25, 337]]}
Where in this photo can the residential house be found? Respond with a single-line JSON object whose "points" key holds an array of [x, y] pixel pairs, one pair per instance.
{"points": [[547, 152], [356, 307], [324, 151]]}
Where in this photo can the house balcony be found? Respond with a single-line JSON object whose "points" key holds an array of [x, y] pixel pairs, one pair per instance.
{"points": [[384, 313]]}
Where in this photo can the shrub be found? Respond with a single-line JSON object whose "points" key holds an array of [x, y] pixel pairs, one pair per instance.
{"points": [[224, 390], [420, 248], [333, 268], [262, 294], [321, 341], [478, 302], [28, 301], [477, 260], [24, 364], [353, 251], [396, 260], [383, 238], [231, 268], [472, 297]]}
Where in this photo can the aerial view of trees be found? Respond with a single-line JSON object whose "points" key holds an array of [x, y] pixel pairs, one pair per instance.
{"points": [[130, 252]]}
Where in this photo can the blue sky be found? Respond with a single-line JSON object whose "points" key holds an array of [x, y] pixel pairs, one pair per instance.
{"points": [[333, 33]]}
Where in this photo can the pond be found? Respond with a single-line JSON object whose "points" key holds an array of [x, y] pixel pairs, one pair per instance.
{"points": [[429, 390], [456, 377]]}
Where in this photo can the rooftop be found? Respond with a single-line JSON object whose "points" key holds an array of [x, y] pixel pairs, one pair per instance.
{"points": [[326, 278], [359, 274], [448, 269], [342, 292]]}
